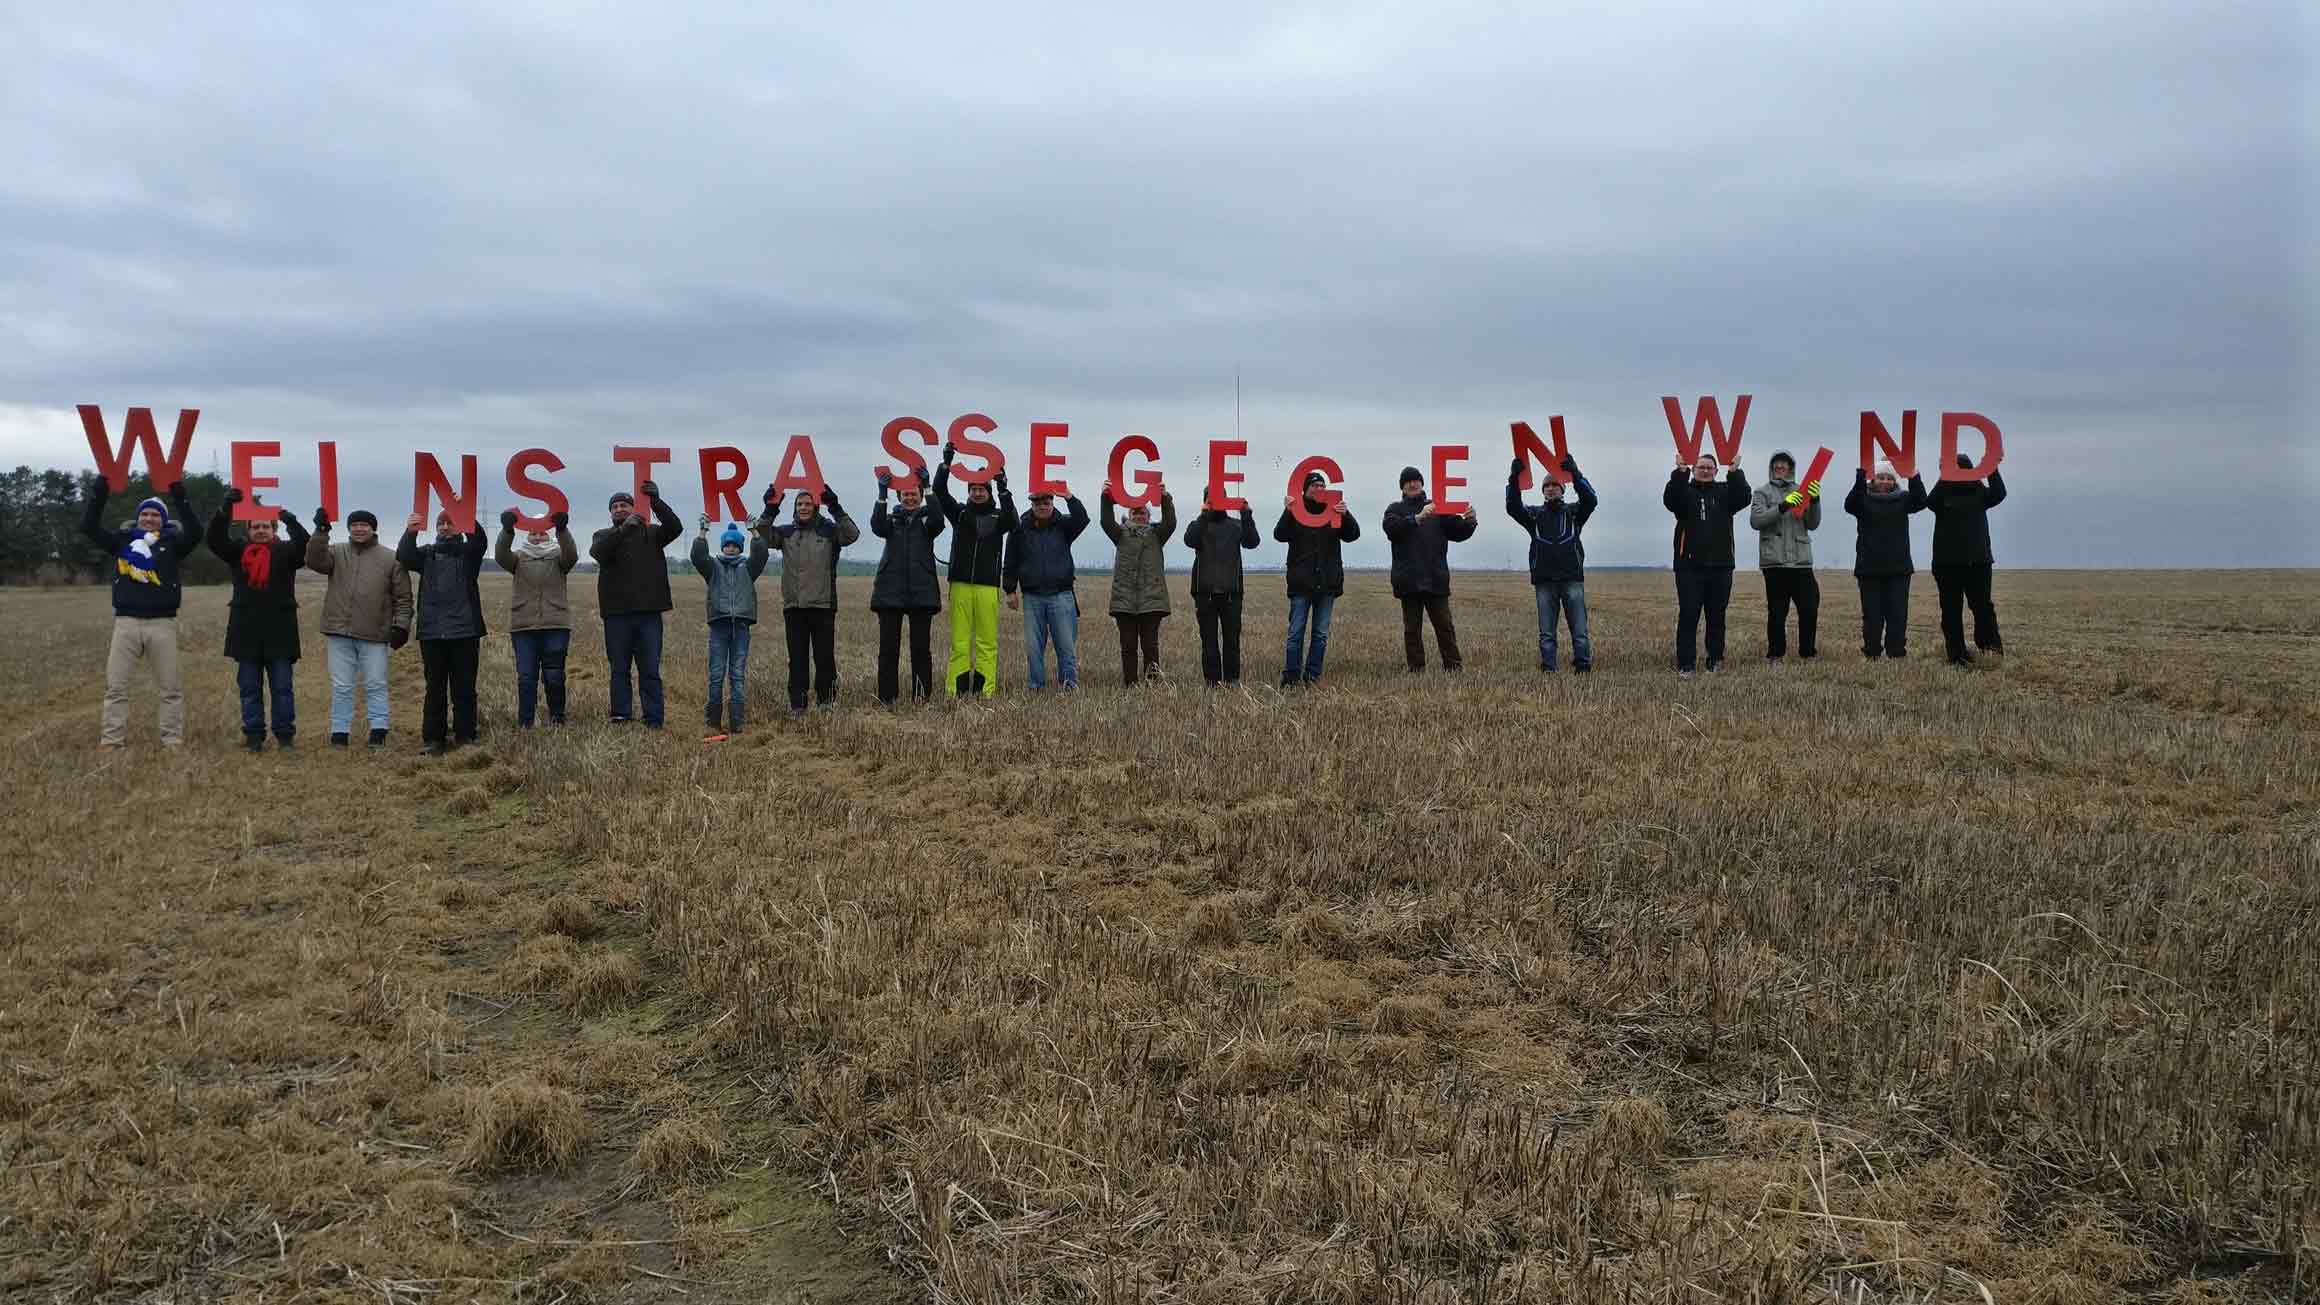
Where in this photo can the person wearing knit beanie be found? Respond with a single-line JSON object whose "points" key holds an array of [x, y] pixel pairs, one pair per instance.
{"points": [[1420, 539], [1703, 509], [145, 554], [731, 607], [366, 614]]}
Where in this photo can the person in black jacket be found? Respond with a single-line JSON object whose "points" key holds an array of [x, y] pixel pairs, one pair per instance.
{"points": [[1881, 561], [1703, 511], [1962, 560], [1558, 559], [1316, 568], [1421, 539], [979, 529], [1216, 542], [143, 559], [632, 593], [262, 620], [907, 586], [1039, 566], [450, 621]]}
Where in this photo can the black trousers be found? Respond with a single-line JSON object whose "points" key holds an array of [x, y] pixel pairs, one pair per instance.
{"points": [[1884, 615], [890, 654], [1782, 586], [1962, 587], [812, 631], [450, 666], [1701, 593], [1417, 609], [1220, 636], [1140, 643]]}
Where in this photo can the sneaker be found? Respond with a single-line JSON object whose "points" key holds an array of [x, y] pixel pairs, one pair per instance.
{"points": [[285, 742], [337, 740], [1772, 661], [620, 720], [1582, 668], [1715, 664], [1683, 675], [378, 738], [1546, 668]]}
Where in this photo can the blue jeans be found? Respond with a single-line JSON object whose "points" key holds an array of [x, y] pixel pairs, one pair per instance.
{"points": [[1053, 616], [635, 638], [540, 661], [353, 660], [1297, 661], [254, 677], [728, 671], [1571, 597]]}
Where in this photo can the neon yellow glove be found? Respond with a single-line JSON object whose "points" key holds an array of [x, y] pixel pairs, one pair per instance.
{"points": [[1813, 487], [1793, 498]]}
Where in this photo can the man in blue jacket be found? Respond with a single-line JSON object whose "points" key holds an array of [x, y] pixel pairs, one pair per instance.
{"points": [[1037, 576], [142, 558], [1558, 559]]}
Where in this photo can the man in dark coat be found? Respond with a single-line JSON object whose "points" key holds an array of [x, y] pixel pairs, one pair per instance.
{"points": [[632, 593], [1962, 560], [1421, 539], [908, 587], [1316, 568], [1881, 560], [1558, 559], [262, 620], [979, 530], [1217, 541], [1039, 579], [144, 556], [450, 621], [1703, 511]]}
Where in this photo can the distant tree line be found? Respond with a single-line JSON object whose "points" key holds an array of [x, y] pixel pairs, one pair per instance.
{"points": [[40, 527]]}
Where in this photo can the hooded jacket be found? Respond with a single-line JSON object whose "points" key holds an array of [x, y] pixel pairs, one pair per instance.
{"points": [[809, 555], [1217, 542], [1316, 562], [536, 598], [632, 576], [262, 624], [450, 604], [1961, 520], [732, 581], [1881, 545], [978, 534], [1139, 562], [144, 569], [1421, 547], [1783, 539], [1557, 555], [907, 580], [369, 597], [1703, 516], [1039, 557]]}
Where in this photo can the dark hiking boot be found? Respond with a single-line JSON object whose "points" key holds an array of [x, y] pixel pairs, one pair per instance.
{"points": [[338, 740], [378, 738]]}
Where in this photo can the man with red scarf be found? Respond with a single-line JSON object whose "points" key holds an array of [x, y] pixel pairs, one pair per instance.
{"points": [[262, 619]]}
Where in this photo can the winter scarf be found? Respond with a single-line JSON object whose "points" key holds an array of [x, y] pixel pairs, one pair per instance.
{"points": [[545, 548], [134, 559], [258, 564]]}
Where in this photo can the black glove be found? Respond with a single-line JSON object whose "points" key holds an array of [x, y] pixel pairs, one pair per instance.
{"points": [[829, 498], [233, 495], [1569, 465], [321, 519], [97, 488], [1516, 473], [999, 482], [562, 519], [772, 496], [652, 491], [397, 637], [922, 476], [286, 517], [507, 519], [1965, 463], [177, 491], [885, 479], [950, 451]]}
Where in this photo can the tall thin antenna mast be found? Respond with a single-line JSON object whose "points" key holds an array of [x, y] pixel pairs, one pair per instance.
{"points": [[1236, 401]]}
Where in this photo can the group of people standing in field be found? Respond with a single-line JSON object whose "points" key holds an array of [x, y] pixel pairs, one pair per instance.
{"points": [[377, 597]]}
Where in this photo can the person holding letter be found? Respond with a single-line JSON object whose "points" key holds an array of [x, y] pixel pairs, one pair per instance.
{"points": [[1039, 564], [1139, 580], [979, 530], [732, 609], [632, 591], [907, 587], [539, 610], [1217, 541], [1316, 569], [809, 547], [1703, 511], [366, 613], [1784, 553], [1421, 539], [1558, 559], [1962, 560], [1881, 561], [262, 618], [450, 626], [146, 554]]}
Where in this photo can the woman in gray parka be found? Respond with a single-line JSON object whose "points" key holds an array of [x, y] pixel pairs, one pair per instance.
{"points": [[1139, 580]]}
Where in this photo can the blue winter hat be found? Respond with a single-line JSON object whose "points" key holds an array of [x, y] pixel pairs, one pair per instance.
{"points": [[732, 537], [158, 506]]}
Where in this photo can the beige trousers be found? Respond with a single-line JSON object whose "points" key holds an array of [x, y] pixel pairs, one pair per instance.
{"points": [[153, 641]]}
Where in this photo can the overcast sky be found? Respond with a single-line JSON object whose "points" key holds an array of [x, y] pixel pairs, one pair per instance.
{"points": [[425, 226]]}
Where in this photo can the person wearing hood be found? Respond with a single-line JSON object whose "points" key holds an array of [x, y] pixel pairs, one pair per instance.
{"points": [[1217, 541], [632, 593], [1316, 574], [907, 589], [366, 613], [1703, 511], [1881, 561], [731, 576], [809, 546], [1139, 580], [450, 626], [1784, 515], [1421, 539], [1038, 578], [539, 610], [1558, 558], [262, 619], [1962, 560], [979, 530], [144, 555]]}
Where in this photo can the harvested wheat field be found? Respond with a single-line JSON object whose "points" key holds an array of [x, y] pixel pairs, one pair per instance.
{"points": [[1844, 982]]}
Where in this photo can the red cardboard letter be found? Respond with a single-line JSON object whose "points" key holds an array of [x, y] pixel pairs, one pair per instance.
{"points": [[522, 485], [1042, 460], [994, 461], [427, 479], [643, 460], [1444, 455], [800, 469], [1529, 449], [1220, 479], [326, 470], [1818, 469], [1147, 482], [910, 460], [244, 455], [138, 431], [720, 489], [1331, 514], [1708, 419], [1993, 448], [1875, 437]]}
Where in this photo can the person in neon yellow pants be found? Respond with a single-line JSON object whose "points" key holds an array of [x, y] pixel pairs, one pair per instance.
{"points": [[979, 529]]}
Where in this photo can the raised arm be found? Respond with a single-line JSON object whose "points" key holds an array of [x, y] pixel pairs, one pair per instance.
{"points": [[848, 532], [1587, 499], [670, 527], [942, 493], [1672, 498], [1516, 511], [1078, 523], [407, 551], [1167, 518], [298, 536], [1997, 493], [700, 555], [1858, 492], [319, 558], [758, 554], [1285, 529], [1249, 536], [219, 543], [1736, 492], [567, 548], [471, 551], [503, 551], [92, 508], [1111, 521], [187, 538], [1008, 520], [1916, 493]]}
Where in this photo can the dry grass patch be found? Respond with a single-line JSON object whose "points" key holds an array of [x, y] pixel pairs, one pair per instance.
{"points": [[681, 1148], [523, 1123], [604, 980]]}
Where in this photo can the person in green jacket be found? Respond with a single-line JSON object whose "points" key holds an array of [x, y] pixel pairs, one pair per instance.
{"points": [[1139, 580], [366, 613], [539, 610], [1784, 514], [732, 609]]}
